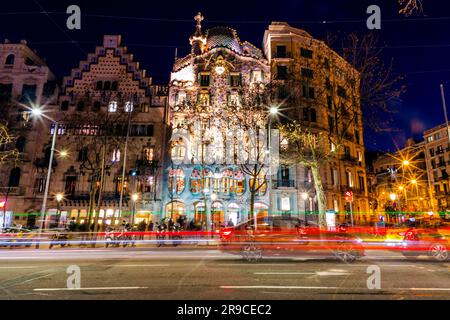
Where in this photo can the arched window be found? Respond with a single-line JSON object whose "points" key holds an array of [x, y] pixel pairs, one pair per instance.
{"points": [[227, 181], [239, 181], [176, 181], [20, 144], [9, 60], [14, 177], [178, 150], [199, 183]]}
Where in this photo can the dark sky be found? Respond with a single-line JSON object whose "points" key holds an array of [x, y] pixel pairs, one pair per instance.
{"points": [[420, 45]]}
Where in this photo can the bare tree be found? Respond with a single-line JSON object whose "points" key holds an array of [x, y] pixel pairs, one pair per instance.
{"points": [[410, 7], [99, 136], [380, 89]]}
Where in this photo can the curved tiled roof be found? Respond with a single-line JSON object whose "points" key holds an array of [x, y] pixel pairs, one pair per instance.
{"points": [[223, 37]]}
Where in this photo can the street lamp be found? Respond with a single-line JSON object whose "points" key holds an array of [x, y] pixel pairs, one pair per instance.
{"points": [[393, 196], [59, 197], [272, 112], [37, 112], [134, 197], [405, 162]]}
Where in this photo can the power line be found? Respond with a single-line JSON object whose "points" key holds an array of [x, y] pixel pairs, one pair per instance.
{"points": [[118, 17], [58, 26]]}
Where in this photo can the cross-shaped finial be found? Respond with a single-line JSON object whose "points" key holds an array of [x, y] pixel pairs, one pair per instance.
{"points": [[199, 18]]}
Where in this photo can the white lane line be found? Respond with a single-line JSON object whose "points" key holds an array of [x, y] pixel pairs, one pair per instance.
{"points": [[332, 273], [253, 264], [92, 288], [429, 289], [277, 287], [19, 267], [137, 265], [282, 273], [379, 264], [325, 288]]}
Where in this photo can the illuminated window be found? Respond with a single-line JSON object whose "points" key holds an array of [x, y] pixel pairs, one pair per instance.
{"points": [[115, 155], [128, 106], [234, 99], [200, 181], [148, 154], [176, 181], [112, 107]]}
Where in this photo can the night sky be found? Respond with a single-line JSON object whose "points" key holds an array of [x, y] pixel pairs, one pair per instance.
{"points": [[419, 45]]}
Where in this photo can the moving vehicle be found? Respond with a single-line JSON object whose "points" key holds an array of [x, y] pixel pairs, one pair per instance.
{"points": [[288, 237], [429, 242], [16, 237]]}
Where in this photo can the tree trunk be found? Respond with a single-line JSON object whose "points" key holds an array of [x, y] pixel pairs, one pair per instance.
{"points": [[321, 199], [252, 204]]}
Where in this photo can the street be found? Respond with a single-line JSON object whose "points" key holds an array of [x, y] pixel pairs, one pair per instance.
{"points": [[202, 273]]}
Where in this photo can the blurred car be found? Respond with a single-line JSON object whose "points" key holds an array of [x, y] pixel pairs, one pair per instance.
{"points": [[16, 237], [288, 237], [429, 242]]}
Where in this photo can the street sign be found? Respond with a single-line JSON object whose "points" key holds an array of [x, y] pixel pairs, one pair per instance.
{"points": [[348, 196]]}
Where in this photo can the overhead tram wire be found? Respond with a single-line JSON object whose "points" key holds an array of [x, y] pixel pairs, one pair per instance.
{"points": [[93, 15]]}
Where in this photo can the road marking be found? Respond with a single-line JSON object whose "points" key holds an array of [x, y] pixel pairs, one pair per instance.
{"points": [[429, 289], [281, 273], [330, 273], [277, 287], [19, 267], [325, 288], [138, 265], [92, 288]]}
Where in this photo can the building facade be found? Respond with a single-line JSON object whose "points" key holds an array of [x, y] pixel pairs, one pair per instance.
{"points": [[437, 156], [207, 91], [25, 81], [321, 91], [109, 142], [402, 188]]}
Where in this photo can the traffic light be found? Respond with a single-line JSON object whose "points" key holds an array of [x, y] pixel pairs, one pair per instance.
{"points": [[134, 173], [348, 196]]}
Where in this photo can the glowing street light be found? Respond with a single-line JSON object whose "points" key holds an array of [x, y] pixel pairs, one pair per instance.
{"points": [[59, 197], [63, 153], [413, 181], [36, 112], [305, 196], [405, 162], [135, 197], [273, 110], [401, 188], [393, 196]]}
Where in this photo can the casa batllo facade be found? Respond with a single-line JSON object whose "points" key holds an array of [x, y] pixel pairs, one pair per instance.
{"points": [[209, 84]]}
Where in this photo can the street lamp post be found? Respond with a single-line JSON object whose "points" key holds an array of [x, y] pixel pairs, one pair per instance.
{"points": [[272, 112], [134, 197], [38, 113], [59, 197]]}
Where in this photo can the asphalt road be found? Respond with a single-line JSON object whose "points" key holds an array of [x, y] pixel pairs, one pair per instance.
{"points": [[206, 273]]}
